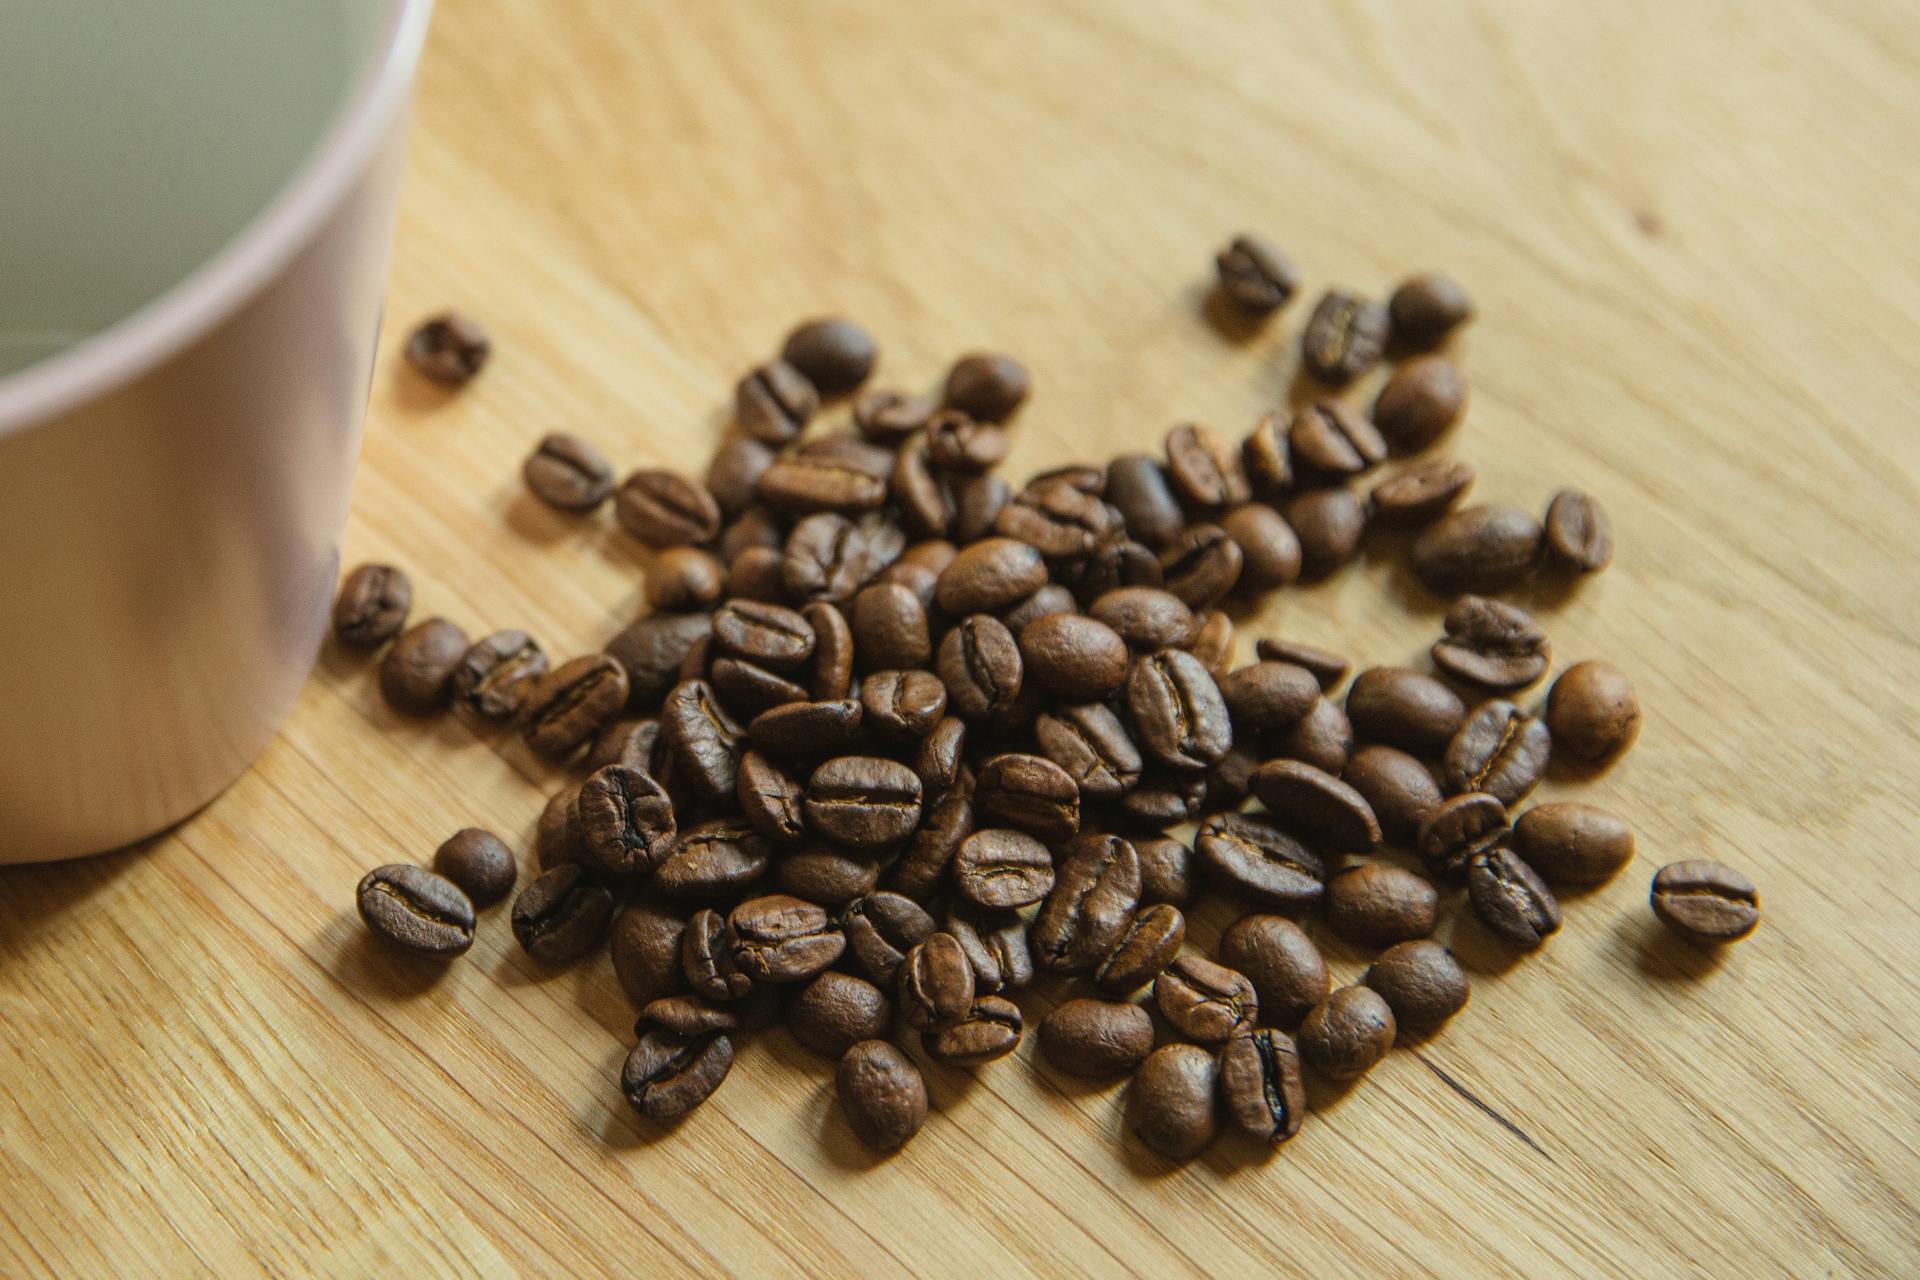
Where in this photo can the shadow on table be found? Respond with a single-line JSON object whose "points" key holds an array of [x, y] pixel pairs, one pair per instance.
{"points": [[38, 898]]}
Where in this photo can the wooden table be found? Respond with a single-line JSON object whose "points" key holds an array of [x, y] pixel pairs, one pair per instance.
{"points": [[1689, 228]]}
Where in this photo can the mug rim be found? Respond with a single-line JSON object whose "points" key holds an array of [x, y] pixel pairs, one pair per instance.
{"points": [[173, 321]]}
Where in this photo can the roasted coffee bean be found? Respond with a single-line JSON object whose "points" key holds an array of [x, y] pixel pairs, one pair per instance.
{"points": [[756, 526], [1422, 492], [666, 1076], [1166, 870], [1179, 717], [753, 689], [1137, 487], [412, 908], [1165, 799], [1147, 945], [478, 864], [685, 578], [955, 442], [774, 402], [1327, 667], [651, 650], [707, 956], [496, 673], [1204, 1001], [1147, 618], [1267, 457], [1705, 902], [1096, 890], [924, 498], [827, 875], [1323, 738], [889, 628], [691, 1015], [1229, 781], [948, 822], [1081, 475], [977, 504], [996, 945], [1500, 750], [1481, 549], [1423, 398], [1096, 1039], [1427, 308], [1049, 599], [1317, 804], [1405, 709], [1213, 643], [892, 417], [986, 386], [1269, 548], [647, 943], [770, 799], [450, 348], [1347, 1033], [1090, 744], [1002, 868], [881, 1094], [1494, 645], [562, 915], [832, 652], [836, 1011], [980, 665], [1421, 982], [1063, 523], [1376, 905], [990, 1029], [826, 558], [865, 802], [903, 705], [778, 938], [569, 705], [1074, 657], [1329, 524], [1253, 857], [1331, 441], [806, 730], [1398, 787], [1171, 1104], [567, 473], [801, 484], [850, 449], [1345, 337], [1574, 844], [1119, 562], [1579, 534], [835, 354], [1593, 712], [1511, 900], [768, 634], [416, 675], [1255, 274], [916, 578], [733, 478], [1261, 1090], [938, 758], [712, 861], [665, 509], [994, 573], [935, 982], [1284, 966], [1461, 830], [881, 928], [557, 835], [625, 821], [1204, 470], [372, 605], [1268, 695], [705, 739], [1030, 793]]}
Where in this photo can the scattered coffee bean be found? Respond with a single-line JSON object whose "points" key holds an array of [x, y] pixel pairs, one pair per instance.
{"points": [[807, 730], [1500, 750], [1376, 905], [1204, 1001], [1000, 868], [1205, 471], [665, 509], [996, 945], [1424, 397], [977, 504], [666, 1076], [1269, 548], [771, 799], [1213, 643], [955, 442], [774, 402], [567, 473], [1030, 793], [935, 982], [1593, 713], [836, 1011], [651, 651], [903, 706], [980, 665], [1148, 944], [881, 928], [416, 675], [372, 605], [1327, 667], [1074, 657], [1267, 457], [1421, 982], [865, 802], [800, 484], [733, 478], [1323, 738], [1255, 274], [889, 627], [449, 348], [1096, 890], [1284, 966], [478, 863], [569, 705], [557, 835], [989, 1029], [686, 578], [712, 861], [987, 387], [1314, 802], [1261, 1089], [412, 908], [1345, 336], [1165, 799], [779, 938], [1477, 549], [892, 417], [707, 957], [1513, 902], [1347, 1033], [993, 573], [496, 674], [1574, 844], [881, 1094], [562, 915], [1494, 645], [1331, 441], [1138, 488], [1089, 743], [1398, 787], [1426, 308], [836, 355], [1421, 492], [1061, 521], [1147, 618], [1256, 858], [1405, 709], [1171, 1103], [1462, 830], [1178, 715], [931, 851], [1579, 534], [1097, 1039], [1705, 902], [1329, 524]]}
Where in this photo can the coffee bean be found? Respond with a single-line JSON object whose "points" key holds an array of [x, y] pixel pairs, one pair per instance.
{"points": [[495, 674], [1284, 966], [1267, 456], [935, 982], [938, 758], [1088, 742], [865, 802], [1147, 618], [1513, 902], [836, 1011], [948, 822], [1331, 441], [770, 799], [1312, 801], [1001, 868], [1405, 709], [1322, 738], [1204, 470], [1096, 1039], [1267, 695], [707, 957], [449, 348], [665, 509], [1376, 905], [955, 442], [1427, 308], [666, 1076], [1327, 667], [1167, 872], [1491, 644], [774, 402], [827, 875], [692, 1016], [892, 417], [557, 835], [1261, 1090], [802, 484], [987, 387], [993, 573], [705, 739], [712, 861], [733, 478], [567, 473], [832, 652], [416, 675], [752, 689], [990, 1029], [1705, 902], [1255, 274], [685, 578], [562, 915], [806, 730], [1329, 524], [1345, 337], [1030, 793], [769, 635], [1074, 657], [1063, 523], [1462, 830], [923, 496], [1171, 1103], [646, 946], [1421, 982], [979, 662], [1204, 1001], [1179, 717], [1147, 945], [881, 928], [1423, 398], [1137, 487], [1253, 857], [412, 908], [826, 557], [903, 705], [1477, 549], [1229, 782], [1574, 844], [478, 863], [916, 578], [1096, 890], [778, 938], [1593, 712], [1213, 643], [977, 504], [651, 651], [996, 945], [1500, 750], [1120, 562], [1579, 534], [1269, 548], [835, 354], [1397, 787], [624, 820], [1347, 1033], [1050, 598], [881, 1094], [1165, 799], [372, 605], [889, 627], [566, 707], [1421, 492]]}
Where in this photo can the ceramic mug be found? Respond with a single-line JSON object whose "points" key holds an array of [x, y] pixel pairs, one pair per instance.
{"points": [[196, 207]]}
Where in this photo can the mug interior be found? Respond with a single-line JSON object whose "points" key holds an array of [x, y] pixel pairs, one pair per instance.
{"points": [[141, 137]]}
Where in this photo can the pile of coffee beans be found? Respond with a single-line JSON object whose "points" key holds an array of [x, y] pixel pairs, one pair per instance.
{"points": [[900, 745]]}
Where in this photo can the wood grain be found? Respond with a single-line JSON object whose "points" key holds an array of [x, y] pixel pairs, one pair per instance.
{"points": [[1689, 230]]}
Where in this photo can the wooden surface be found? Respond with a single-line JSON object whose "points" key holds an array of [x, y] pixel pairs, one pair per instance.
{"points": [[1689, 228]]}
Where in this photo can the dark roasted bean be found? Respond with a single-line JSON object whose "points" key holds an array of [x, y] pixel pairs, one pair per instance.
{"points": [[449, 348], [801, 484], [1030, 793], [949, 821], [1095, 893], [1491, 644], [778, 938], [562, 915], [1090, 744], [1329, 524], [768, 634], [624, 820], [980, 665], [1166, 870], [1482, 549], [1269, 548], [1255, 274], [372, 605], [1314, 802], [733, 477], [1074, 657], [986, 386], [1421, 982], [1705, 902], [650, 652], [1097, 1039], [935, 982], [1147, 945], [1574, 844], [836, 1011], [713, 861], [1423, 398], [1204, 470], [706, 956], [938, 758], [647, 943], [1593, 712], [1328, 668], [989, 1029], [566, 707], [993, 573], [865, 802], [1213, 643], [1323, 737], [1048, 599], [1257, 858], [1284, 966], [665, 509], [807, 730], [1171, 1104], [955, 442], [1398, 788], [705, 739], [1461, 830], [1178, 715], [1137, 487], [881, 1094], [770, 799], [903, 705], [1267, 457], [685, 578], [925, 499], [1500, 750], [1001, 868], [881, 928], [1422, 492], [557, 835], [889, 628], [495, 674], [996, 945], [1376, 904], [826, 558], [977, 504], [1165, 799], [666, 1076], [1205, 1002], [1201, 565], [1345, 337], [1511, 900], [1347, 1033], [479, 863], [1579, 534], [416, 910], [827, 875], [1261, 1090], [1147, 618], [1331, 441], [1268, 695], [892, 417], [774, 402], [835, 354], [1426, 308], [416, 675], [832, 651], [1405, 709], [751, 688], [1063, 523]]}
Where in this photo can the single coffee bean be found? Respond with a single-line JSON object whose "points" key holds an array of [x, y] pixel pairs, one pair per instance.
{"points": [[416, 675], [1261, 1089], [1089, 743], [980, 665], [989, 1029], [712, 861], [1511, 900], [768, 634], [1253, 857], [1423, 398], [1179, 717], [806, 730], [1327, 667], [562, 915], [557, 834], [1202, 565], [478, 863], [566, 707], [881, 1094], [567, 473], [1327, 811], [865, 802], [881, 928], [1213, 643], [691, 1015], [1483, 549], [651, 650], [1323, 738], [904, 706], [646, 946], [1204, 470], [733, 478], [889, 628], [1329, 524], [1426, 308], [1422, 492], [412, 908], [496, 673], [1705, 902], [1138, 488], [705, 739], [770, 799], [1030, 793], [698, 660], [1376, 905], [666, 1076], [1147, 945], [1579, 534], [686, 578], [449, 348], [1269, 548], [757, 525], [1171, 1104], [1050, 598], [752, 688], [1165, 799], [1575, 844], [892, 417], [916, 578], [1096, 1039], [836, 1011], [1119, 562], [1345, 337], [1147, 618], [1347, 1033], [778, 938], [1229, 781], [827, 875], [935, 982], [993, 573], [1421, 982], [939, 757], [1167, 872], [800, 485], [1405, 709], [1096, 890], [1284, 966], [1267, 695], [1494, 645], [665, 509], [835, 354], [1001, 868], [1398, 787], [995, 941], [1267, 456], [987, 387], [826, 557], [1500, 750], [955, 442], [1204, 1001], [774, 402], [931, 851], [1074, 657], [1460, 831], [1064, 523], [832, 652], [1331, 441], [372, 605], [1255, 274], [624, 820], [977, 503], [923, 495], [1592, 712], [707, 957]]}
